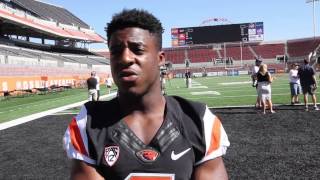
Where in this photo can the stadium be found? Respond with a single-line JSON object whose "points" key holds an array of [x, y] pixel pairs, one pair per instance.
{"points": [[46, 58]]}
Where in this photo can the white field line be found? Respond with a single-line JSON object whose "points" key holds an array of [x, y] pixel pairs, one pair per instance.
{"points": [[217, 97], [197, 85], [205, 93], [32, 117], [235, 83]]}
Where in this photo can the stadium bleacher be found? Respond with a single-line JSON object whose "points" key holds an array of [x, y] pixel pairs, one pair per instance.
{"points": [[27, 65], [269, 51], [50, 12], [302, 47], [240, 56]]}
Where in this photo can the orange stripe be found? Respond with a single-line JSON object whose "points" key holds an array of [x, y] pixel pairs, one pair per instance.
{"points": [[76, 139], [215, 136]]}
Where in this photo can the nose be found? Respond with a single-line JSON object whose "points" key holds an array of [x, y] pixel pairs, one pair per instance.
{"points": [[127, 56]]}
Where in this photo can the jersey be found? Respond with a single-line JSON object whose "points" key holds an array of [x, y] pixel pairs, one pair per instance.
{"points": [[189, 136]]}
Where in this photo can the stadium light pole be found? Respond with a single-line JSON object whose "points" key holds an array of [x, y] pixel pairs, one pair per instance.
{"points": [[314, 16]]}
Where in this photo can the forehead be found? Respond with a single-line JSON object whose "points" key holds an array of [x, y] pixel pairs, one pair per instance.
{"points": [[131, 34]]}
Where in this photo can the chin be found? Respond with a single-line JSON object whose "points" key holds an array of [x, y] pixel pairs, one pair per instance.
{"points": [[132, 91]]}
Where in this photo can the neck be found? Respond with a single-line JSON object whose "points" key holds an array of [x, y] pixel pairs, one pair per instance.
{"points": [[148, 103]]}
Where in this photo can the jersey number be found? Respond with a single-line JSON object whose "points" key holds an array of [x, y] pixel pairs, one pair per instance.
{"points": [[149, 176]]}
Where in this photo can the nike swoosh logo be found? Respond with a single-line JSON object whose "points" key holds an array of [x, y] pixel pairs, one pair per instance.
{"points": [[179, 155]]}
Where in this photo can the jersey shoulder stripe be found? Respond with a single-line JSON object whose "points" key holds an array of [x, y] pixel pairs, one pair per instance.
{"points": [[215, 136], [216, 139], [75, 140]]}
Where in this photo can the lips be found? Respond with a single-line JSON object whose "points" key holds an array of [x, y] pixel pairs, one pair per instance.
{"points": [[128, 75]]}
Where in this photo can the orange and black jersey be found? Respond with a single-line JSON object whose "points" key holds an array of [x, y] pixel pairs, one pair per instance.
{"points": [[189, 136]]}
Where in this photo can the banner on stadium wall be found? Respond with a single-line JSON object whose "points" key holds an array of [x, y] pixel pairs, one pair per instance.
{"points": [[272, 71], [220, 73], [179, 75], [29, 83], [243, 72], [233, 73], [197, 74], [210, 74]]}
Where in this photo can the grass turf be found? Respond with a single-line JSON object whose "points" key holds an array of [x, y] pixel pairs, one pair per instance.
{"points": [[214, 91]]}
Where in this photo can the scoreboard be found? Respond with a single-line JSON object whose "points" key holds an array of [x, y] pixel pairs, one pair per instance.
{"points": [[245, 32]]}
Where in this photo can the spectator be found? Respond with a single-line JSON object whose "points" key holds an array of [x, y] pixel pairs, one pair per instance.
{"points": [[308, 82], [109, 83], [264, 79], [142, 133], [254, 72], [98, 85], [163, 75], [92, 85], [187, 75], [294, 81]]}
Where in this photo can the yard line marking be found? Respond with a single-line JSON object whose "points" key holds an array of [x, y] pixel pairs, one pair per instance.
{"points": [[205, 93], [234, 83], [216, 97], [198, 87], [32, 117]]}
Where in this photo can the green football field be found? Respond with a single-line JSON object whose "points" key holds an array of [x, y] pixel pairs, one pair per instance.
{"points": [[228, 90], [219, 91]]}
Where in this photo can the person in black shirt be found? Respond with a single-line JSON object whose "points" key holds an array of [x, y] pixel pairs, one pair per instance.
{"points": [[92, 91], [265, 79], [308, 82], [188, 78], [142, 134]]}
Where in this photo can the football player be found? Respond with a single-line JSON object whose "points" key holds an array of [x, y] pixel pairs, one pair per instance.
{"points": [[142, 134]]}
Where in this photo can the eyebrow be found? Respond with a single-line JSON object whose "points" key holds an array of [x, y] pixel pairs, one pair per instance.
{"points": [[136, 43]]}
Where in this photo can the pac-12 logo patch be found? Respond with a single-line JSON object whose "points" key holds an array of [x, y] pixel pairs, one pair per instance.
{"points": [[111, 154]]}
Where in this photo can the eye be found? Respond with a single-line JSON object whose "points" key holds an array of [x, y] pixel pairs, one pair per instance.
{"points": [[116, 50], [136, 48]]}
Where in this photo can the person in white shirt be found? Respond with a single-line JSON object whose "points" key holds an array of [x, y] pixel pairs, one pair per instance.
{"points": [[295, 86], [254, 72], [109, 83], [98, 85]]}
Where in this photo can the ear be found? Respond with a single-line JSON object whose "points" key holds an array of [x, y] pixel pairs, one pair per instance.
{"points": [[161, 58]]}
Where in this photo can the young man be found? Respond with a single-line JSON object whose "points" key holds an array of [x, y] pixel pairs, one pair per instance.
{"points": [[254, 72], [98, 85], [92, 87], [308, 82], [142, 134]]}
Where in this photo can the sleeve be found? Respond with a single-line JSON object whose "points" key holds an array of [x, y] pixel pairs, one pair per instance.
{"points": [[216, 139], [253, 71], [75, 140], [290, 74]]}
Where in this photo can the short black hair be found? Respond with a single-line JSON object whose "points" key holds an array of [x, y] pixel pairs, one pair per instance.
{"points": [[135, 18]]}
